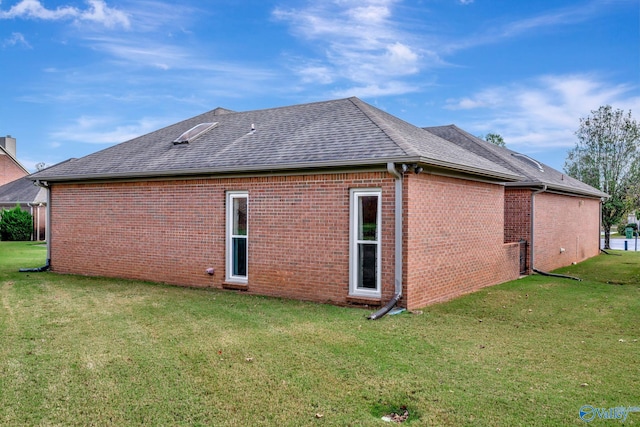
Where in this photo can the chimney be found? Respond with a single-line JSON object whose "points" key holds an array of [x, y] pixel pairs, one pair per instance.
{"points": [[9, 144]]}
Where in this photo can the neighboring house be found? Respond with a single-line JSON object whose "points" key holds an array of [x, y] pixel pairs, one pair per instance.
{"points": [[332, 201], [30, 198], [10, 168], [15, 189]]}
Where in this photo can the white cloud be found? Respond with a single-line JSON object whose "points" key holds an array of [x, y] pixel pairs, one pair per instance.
{"points": [[316, 74], [142, 51], [100, 13], [16, 39], [558, 18], [542, 112], [370, 13], [373, 90], [402, 58], [358, 41], [103, 130], [97, 12]]}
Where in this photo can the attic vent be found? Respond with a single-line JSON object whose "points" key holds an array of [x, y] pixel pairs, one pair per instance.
{"points": [[530, 160], [194, 132]]}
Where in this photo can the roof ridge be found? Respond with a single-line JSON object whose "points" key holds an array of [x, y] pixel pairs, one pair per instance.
{"points": [[376, 118], [493, 149]]}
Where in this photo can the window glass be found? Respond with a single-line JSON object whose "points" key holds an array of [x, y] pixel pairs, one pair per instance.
{"points": [[237, 235], [239, 256], [367, 266], [365, 242], [240, 216], [368, 221]]}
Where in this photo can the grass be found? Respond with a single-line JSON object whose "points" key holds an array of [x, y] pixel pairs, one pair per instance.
{"points": [[91, 351]]}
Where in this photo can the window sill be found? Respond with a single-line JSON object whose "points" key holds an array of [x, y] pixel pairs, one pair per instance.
{"points": [[374, 302], [235, 286]]}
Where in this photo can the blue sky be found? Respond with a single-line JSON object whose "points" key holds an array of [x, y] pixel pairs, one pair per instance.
{"points": [[79, 76]]}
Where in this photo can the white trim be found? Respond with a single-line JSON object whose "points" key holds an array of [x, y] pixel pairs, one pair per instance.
{"points": [[229, 276], [354, 290]]}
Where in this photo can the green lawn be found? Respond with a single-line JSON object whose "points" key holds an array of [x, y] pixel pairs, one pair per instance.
{"points": [[87, 351]]}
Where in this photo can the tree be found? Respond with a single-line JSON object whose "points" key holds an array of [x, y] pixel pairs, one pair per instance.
{"points": [[15, 224], [607, 157], [496, 139]]}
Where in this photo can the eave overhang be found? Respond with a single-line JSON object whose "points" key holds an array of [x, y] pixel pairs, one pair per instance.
{"points": [[283, 168], [556, 188]]}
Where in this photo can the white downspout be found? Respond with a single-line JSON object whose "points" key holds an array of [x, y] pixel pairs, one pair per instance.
{"points": [[601, 223], [391, 168], [398, 226]]}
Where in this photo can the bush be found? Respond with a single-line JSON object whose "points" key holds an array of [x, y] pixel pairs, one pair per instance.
{"points": [[15, 224]]}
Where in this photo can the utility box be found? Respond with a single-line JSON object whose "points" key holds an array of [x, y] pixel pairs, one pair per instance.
{"points": [[628, 232]]}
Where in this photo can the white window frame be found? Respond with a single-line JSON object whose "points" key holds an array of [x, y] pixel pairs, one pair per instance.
{"points": [[230, 277], [354, 289]]}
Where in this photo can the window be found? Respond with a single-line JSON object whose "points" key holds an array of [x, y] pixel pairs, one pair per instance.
{"points": [[365, 243], [237, 235], [194, 132]]}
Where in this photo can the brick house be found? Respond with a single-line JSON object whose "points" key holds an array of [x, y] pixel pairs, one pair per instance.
{"points": [[30, 198], [332, 201], [17, 189], [10, 167]]}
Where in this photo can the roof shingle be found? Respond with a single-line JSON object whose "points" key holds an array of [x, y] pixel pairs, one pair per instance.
{"points": [[323, 134], [528, 168]]}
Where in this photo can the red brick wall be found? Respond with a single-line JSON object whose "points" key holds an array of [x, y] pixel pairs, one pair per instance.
{"points": [[171, 231], [9, 170], [570, 223], [454, 243], [455, 240], [517, 215]]}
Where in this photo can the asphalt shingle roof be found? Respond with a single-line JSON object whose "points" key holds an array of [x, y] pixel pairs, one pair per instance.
{"points": [[534, 173], [22, 190], [334, 133]]}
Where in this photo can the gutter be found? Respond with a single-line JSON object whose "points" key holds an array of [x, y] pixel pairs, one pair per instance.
{"points": [[391, 168], [559, 189], [233, 169]]}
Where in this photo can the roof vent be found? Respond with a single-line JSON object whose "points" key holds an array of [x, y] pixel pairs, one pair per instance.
{"points": [[194, 132], [530, 160]]}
